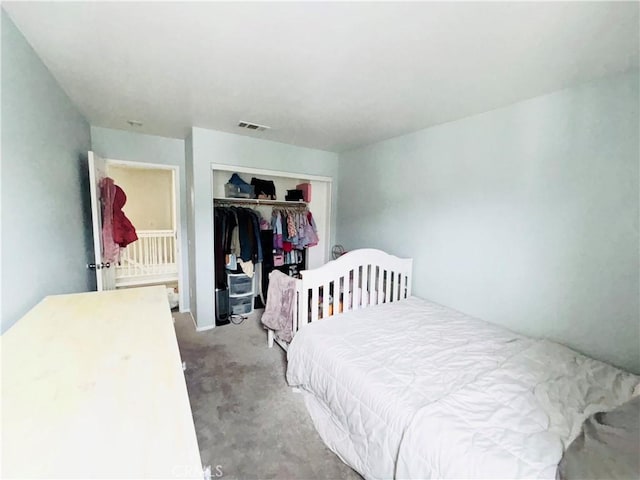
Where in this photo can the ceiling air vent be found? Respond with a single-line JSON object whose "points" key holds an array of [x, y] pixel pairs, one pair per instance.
{"points": [[253, 126]]}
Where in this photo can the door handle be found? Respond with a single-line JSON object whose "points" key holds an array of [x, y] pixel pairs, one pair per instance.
{"points": [[93, 266]]}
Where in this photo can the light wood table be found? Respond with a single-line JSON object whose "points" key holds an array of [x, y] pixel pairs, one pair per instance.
{"points": [[93, 387]]}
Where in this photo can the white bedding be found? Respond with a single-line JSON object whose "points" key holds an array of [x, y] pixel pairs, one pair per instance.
{"points": [[413, 389]]}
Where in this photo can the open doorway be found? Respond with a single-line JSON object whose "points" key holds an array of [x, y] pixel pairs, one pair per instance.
{"points": [[154, 259]]}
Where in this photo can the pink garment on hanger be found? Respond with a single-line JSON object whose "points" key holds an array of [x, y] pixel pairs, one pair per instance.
{"points": [[110, 249]]}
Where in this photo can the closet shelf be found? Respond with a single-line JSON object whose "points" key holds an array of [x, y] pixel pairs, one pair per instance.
{"points": [[256, 201]]}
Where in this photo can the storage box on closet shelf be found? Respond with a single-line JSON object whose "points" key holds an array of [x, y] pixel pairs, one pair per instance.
{"points": [[305, 188], [237, 187], [238, 191]]}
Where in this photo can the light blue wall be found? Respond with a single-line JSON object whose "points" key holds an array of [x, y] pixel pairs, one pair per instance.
{"points": [[525, 216], [45, 239], [137, 147], [210, 147]]}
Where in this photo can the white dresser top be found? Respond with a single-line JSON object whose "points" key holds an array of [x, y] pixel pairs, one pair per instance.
{"points": [[93, 387]]}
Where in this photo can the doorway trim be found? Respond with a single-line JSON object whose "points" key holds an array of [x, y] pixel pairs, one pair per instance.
{"points": [[273, 173], [175, 205]]}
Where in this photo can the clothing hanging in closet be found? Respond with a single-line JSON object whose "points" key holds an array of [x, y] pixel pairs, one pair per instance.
{"points": [[237, 233], [239, 244], [293, 229]]}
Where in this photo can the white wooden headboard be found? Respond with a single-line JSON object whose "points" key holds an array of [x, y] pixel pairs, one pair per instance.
{"points": [[357, 279]]}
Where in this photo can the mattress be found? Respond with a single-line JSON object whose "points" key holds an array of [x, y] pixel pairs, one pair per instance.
{"points": [[413, 389]]}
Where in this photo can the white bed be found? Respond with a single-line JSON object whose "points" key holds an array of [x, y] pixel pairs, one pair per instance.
{"points": [[412, 389]]}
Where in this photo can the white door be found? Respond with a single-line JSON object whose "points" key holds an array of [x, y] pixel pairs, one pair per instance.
{"points": [[105, 272]]}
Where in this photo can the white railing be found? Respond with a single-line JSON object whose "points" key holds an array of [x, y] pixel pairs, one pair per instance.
{"points": [[150, 259]]}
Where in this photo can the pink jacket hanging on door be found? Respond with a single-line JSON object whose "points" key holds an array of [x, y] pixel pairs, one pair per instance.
{"points": [[117, 230], [124, 232]]}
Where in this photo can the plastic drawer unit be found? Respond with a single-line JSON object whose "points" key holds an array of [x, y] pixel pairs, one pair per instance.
{"points": [[240, 294], [241, 305], [240, 284]]}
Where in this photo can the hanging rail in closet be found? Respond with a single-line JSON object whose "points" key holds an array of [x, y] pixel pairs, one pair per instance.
{"points": [[220, 202]]}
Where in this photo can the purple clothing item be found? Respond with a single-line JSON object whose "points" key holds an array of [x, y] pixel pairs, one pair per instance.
{"points": [[311, 232], [276, 224]]}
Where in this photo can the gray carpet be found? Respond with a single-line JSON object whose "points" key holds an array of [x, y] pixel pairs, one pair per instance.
{"points": [[248, 421]]}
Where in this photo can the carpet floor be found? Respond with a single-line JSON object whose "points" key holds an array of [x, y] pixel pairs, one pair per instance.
{"points": [[248, 422]]}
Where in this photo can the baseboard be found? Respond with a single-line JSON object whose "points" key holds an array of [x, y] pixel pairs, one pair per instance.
{"points": [[204, 329], [200, 329]]}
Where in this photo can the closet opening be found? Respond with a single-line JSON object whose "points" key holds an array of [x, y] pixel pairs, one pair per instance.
{"points": [[241, 272]]}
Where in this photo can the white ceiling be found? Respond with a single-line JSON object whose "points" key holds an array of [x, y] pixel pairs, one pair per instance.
{"points": [[323, 75]]}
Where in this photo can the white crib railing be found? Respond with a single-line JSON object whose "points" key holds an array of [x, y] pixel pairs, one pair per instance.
{"points": [[150, 259]]}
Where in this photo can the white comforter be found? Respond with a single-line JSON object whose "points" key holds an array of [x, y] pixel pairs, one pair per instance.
{"points": [[416, 390]]}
